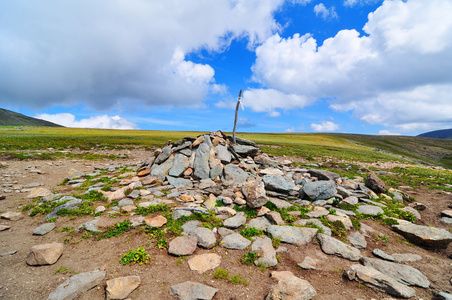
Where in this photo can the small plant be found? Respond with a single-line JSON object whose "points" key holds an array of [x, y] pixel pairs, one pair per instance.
{"points": [[61, 269], [332, 212], [154, 232], [356, 224], [390, 221], [68, 229], [249, 258], [276, 242], [162, 243], [238, 279], [118, 229], [250, 232], [151, 209], [383, 238], [221, 274], [249, 212], [52, 220], [346, 206], [138, 255]]}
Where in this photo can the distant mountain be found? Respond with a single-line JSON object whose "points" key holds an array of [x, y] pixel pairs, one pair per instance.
{"points": [[10, 118], [438, 134]]}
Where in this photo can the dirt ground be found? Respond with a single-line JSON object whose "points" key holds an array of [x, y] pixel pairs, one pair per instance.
{"points": [[20, 281]]}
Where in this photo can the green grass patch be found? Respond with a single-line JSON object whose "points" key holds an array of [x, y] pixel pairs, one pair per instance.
{"points": [[118, 229], [249, 258], [250, 232], [137, 256], [151, 209]]}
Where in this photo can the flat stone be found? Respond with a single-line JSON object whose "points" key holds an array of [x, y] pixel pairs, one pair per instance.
{"points": [[261, 223], [352, 200], [415, 213], [192, 291], [324, 175], [246, 150], [357, 240], [254, 193], [157, 221], [306, 222], [431, 237], [319, 190], [444, 296], [280, 203], [4, 227], [406, 257], [44, 229], [263, 246], [223, 154], [161, 170], [235, 241], [39, 192], [235, 222], [201, 164], [333, 246], [204, 262], [271, 171], [121, 287], [274, 217], [44, 254], [116, 195], [379, 281], [277, 183], [292, 287], [383, 255], [179, 166], [292, 235], [308, 263], [234, 174], [125, 202], [446, 213], [77, 284], [179, 213], [166, 152], [189, 226], [343, 219], [317, 213], [446, 220], [402, 273], [224, 232], [206, 238], [179, 182], [12, 216], [370, 210], [183, 245]]}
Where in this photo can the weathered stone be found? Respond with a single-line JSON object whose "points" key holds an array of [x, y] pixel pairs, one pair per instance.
{"points": [[216, 171], [254, 193], [274, 217], [266, 161], [161, 170], [179, 166], [280, 203], [44, 229], [379, 281], [201, 165], [225, 210], [179, 182], [307, 222], [324, 175], [192, 291], [292, 235], [234, 174], [235, 222], [431, 237], [271, 171], [444, 296], [39, 192], [246, 150], [375, 184], [332, 246], [319, 190], [157, 221], [189, 226], [121, 287], [406, 257], [4, 227], [112, 196], [263, 245], [260, 223], [179, 213], [77, 284], [292, 287], [12, 216], [183, 245], [166, 152], [235, 241], [44, 254], [149, 180], [402, 273], [143, 173], [370, 210], [206, 238], [446, 213], [277, 183], [223, 154], [308, 263], [204, 262], [351, 200], [317, 213], [341, 218], [357, 240], [383, 255], [125, 202]]}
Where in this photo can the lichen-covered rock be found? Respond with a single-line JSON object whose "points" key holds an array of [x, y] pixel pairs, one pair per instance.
{"points": [[431, 237]]}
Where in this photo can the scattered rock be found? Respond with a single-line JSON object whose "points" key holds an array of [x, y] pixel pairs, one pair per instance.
{"points": [[121, 287], [4, 227], [77, 284], [183, 245], [235, 222], [375, 184], [235, 241], [157, 221], [370, 210], [292, 235], [319, 190], [263, 246], [8, 253], [431, 237], [308, 263], [254, 193], [206, 238], [381, 254], [292, 287], [277, 183], [260, 223], [357, 240], [44, 254], [39, 192], [406, 257], [204, 262], [44, 229], [192, 291], [332, 246], [12, 216], [274, 217]]}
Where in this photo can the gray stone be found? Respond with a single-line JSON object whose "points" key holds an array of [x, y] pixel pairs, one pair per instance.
{"points": [[320, 203], [179, 213], [77, 284], [431, 237], [415, 213], [216, 171], [324, 175], [446, 220], [332, 246], [185, 145], [192, 291], [44, 254], [204, 262], [278, 183], [234, 174], [375, 184], [317, 213], [179, 166], [68, 205], [183, 245], [351, 200], [121, 287], [201, 165], [235, 241], [260, 223], [446, 213], [397, 196], [274, 217], [383, 255], [161, 170], [280, 203], [379, 281], [320, 190], [44, 229], [166, 152], [179, 182], [308, 264], [134, 194], [254, 193], [292, 235], [206, 238], [370, 210], [402, 273], [206, 183], [406, 257], [224, 232], [125, 202], [244, 150], [223, 154], [263, 245], [189, 226], [236, 221], [292, 287], [357, 240], [444, 296], [266, 161], [12, 215], [306, 222]]}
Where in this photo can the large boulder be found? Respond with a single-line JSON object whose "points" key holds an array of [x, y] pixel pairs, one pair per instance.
{"points": [[121, 287], [333, 246], [375, 184], [291, 287], [278, 183], [45, 254], [292, 235], [430, 237], [319, 190]]}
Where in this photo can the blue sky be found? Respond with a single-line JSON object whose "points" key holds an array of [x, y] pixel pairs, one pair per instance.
{"points": [[353, 66]]}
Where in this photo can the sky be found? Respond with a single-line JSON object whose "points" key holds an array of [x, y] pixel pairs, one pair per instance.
{"points": [[346, 66]]}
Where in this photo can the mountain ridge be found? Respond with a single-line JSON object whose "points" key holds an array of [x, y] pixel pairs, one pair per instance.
{"points": [[438, 134], [11, 118]]}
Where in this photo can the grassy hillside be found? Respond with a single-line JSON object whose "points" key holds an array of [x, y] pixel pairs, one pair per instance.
{"points": [[348, 147], [10, 118], [438, 134]]}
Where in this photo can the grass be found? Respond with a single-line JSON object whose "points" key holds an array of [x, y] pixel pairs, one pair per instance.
{"points": [[118, 229], [249, 258], [235, 279], [137, 256]]}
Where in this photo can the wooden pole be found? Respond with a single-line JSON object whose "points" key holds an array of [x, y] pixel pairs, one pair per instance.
{"points": [[236, 113]]}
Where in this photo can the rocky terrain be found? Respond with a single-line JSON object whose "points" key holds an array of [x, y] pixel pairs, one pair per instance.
{"points": [[204, 218]]}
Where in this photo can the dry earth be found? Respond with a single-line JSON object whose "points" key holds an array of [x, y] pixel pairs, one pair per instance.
{"points": [[20, 281]]}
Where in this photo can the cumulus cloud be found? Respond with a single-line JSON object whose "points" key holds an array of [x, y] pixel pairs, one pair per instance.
{"points": [[399, 74], [108, 53], [387, 132], [102, 122], [327, 126], [325, 13], [266, 100], [352, 3], [290, 129]]}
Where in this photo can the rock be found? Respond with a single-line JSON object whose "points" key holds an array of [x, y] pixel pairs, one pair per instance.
{"points": [[44, 229], [324, 175], [402, 273], [375, 184], [418, 206], [277, 183], [77, 284], [39, 192], [216, 171], [263, 245], [271, 171], [266, 161], [204, 262], [183, 245], [383, 255], [319, 190], [254, 193], [261, 223], [192, 291], [244, 150], [292, 287], [223, 154], [144, 173], [292, 235], [280, 203], [415, 213], [306, 222], [12, 216], [225, 210], [44, 254], [351, 200], [179, 166], [406, 257], [4, 227], [179, 182], [179, 213], [201, 165], [341, 218], [100, 209], [317, 213], [157, 221], [8, 253], [189, 226], [397, 196], [446, 220], [332, 246], [235, 241], [166, 152], [357, 240], [235, 222], [379, 281], [370, 210], [111, 196], [431, 237], [161, 170], [234, 174], [444, 296], [121, 287], [447, 213], [224, 232], [206, 238], [308, 263], [125, 202], [274, 217]]}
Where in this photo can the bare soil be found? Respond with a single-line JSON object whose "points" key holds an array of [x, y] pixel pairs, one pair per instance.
{"points": [[20, 281]]}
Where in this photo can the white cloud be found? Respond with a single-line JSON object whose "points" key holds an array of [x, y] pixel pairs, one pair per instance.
{"points": [[325, 13], [102, 122], [359, 2], [387, 132], [266, 100], [274, 114], [108, 53], [325, 126], [291, 129], [398, 75]]}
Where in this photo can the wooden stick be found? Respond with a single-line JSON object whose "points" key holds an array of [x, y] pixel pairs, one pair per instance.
{"points": [[236, 113]]}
